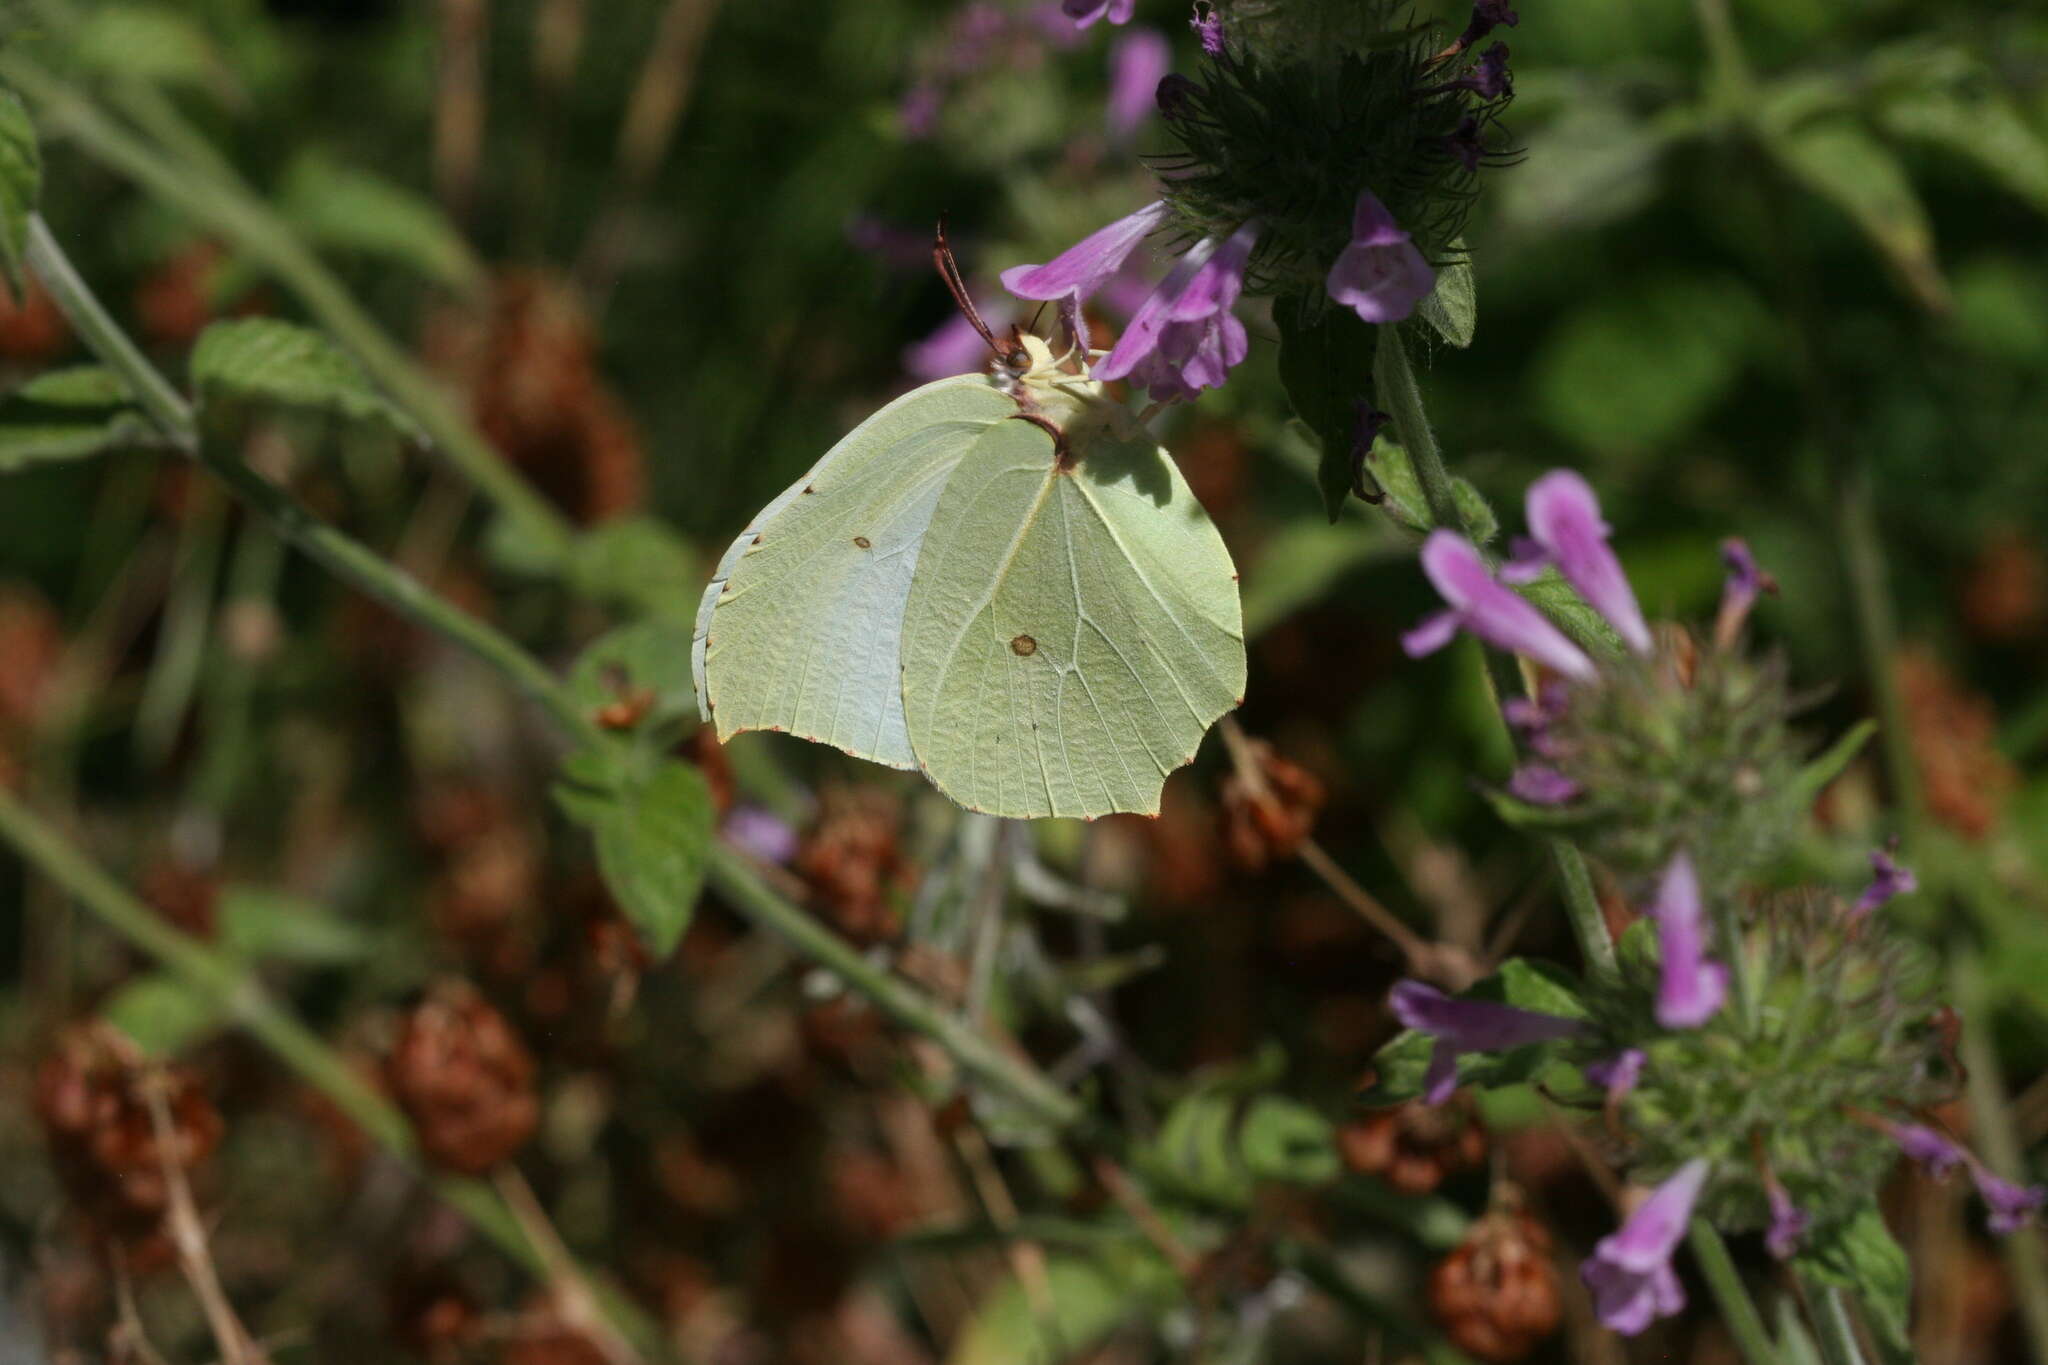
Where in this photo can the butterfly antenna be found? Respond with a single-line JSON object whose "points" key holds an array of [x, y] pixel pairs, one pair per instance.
{"points": [[949, 271]]}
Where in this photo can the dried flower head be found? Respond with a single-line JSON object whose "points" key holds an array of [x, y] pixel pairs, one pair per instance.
{"points": [[464, 1078], [1496, 1295]]}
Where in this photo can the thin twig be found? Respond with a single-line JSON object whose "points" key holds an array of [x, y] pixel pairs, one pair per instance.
{"points": [[1133, 1202], [188, 1236], [571, 1292], [1026, 1257]]}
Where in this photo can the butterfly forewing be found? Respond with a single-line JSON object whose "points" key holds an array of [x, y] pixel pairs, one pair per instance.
{"points": [[801, 626], [1071, 634]]}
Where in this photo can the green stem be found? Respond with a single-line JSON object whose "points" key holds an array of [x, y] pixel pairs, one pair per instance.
{"points": [[1724, 1282], [1870, 599], [216, 977], [1394, 384], [1832, 1330], [398, 590], [249, 223], [1997, 1140]]}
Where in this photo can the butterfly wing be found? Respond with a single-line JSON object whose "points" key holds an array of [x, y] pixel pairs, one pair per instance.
{"points": [[1071, 635], [800, 628]]}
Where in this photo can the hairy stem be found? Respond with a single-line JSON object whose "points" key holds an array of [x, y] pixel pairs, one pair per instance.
{"points": [[1832, 1330], [1724, 1282], [1394, 384]]}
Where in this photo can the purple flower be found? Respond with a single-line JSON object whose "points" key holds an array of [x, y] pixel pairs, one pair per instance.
{"points": [[1788, 1223], [1618, 1074], [1888, 879], [1566, 530], [1630, 1271], [953, 347], [1380, 276], [1082, 267], [1086, 12], [1487, 15], [1492, 612], [1931, 1149], [1539, 784], [1739, 592], [1692, 988], [1467, 1026], [1137, 63], [918, 113], [760, 832], [1208, 26], [1184, 338], [1490, 79], [2012, 1206], [1466, 143], [1532, 717]]}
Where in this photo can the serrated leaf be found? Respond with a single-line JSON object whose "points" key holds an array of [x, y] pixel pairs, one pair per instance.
{"points": [[262, 925], [1861, 1256], [349, 209], [1326, 368], [21, 184], [1838, 159], [162, 1015], [1452, 308], [264, 360], [638, 562], [1812, 779], [653, 832], [153, 43], [69, 414]]}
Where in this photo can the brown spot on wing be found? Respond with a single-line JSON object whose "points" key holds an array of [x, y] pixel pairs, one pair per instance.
{"points": [[1024, 646], [863, 542]]}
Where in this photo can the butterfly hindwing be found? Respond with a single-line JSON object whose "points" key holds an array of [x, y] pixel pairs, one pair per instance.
{"points": [[800, 628], [1071, 633]]}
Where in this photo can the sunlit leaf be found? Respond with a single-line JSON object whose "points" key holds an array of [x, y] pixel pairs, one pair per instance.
{"points": [[1863, 1257], [263, 360], [653, 832], [1452, 308], [162, 1015]]}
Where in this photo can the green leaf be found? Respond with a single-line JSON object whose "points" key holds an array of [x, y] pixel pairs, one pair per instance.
{"points": [[1837, 158], [1390, 467], [1862, 1256], [264, 360], [1562, 604], [1452, 308], [1807, 786], [163, 1015], [69, 414], [1398, 1067], [153, 43], [1948, 99], [21, 184], [1091, 1297], [348, 209], [1326, 368], [653, 831], [648, 656], [1528, 814], [1282, 1140], [263, 925], [639, 563], [1481, 524]]}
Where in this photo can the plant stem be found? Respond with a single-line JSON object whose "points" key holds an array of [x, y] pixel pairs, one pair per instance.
{"points": [[1832, 1330], [1738, 1310], [1394, 384], [245, 220], [215, 977], [363, 568]]}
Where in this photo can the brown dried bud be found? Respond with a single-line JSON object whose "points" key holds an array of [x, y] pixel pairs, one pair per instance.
{"points": [[854, 866], [90, 1096], [873, 1196], [1266, 821], [434, 1315], [464, 1078], [1414, 1147], [1966, 777], [1496, 1296], [186, 895]]}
